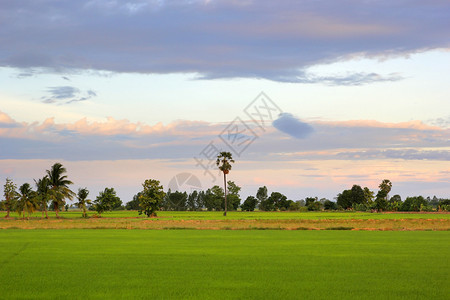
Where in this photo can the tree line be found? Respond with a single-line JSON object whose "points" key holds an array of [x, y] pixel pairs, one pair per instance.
{"points": [[52, 190]]}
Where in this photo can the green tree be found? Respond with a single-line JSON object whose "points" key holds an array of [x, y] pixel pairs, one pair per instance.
{"points": [[369, 196], [249, 204], [395, 203], [234, 200], [279, 201], [329, 205], [26, 201], [385, 186], [59, 186], [82, 195], [262, 195], [133, 204], [381, 200], [11, 196], [224, 161], [106, 200], [176, 201], [344, 199], [43, 194], [151, 197], [192, 201]]}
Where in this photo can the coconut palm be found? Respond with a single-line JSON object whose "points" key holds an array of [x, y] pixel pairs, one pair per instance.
{"points": [[59, 189], [224, 160], [26, 200], [82, 201], [43, 194]]}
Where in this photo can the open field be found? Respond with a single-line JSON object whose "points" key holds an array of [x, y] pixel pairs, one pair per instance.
{"points": [[80, 264], [238, 220]]}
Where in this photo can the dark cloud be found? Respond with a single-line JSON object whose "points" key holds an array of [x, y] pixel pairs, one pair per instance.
{"points": [[219, 39], [292, 126], [66, 95]]}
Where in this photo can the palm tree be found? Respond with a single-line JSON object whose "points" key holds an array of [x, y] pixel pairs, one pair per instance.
{"points": [[59, 189], [43, 194], [26, 200], [82, 201], [224, 160]]}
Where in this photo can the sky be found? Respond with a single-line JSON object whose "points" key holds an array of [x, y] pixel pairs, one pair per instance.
{"points": [[310, 97]]}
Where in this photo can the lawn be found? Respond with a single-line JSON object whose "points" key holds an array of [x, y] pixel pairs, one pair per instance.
{"points": [[223, 264]]}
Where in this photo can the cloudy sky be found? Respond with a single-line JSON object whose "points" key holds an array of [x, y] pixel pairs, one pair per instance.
{"points": [[311, 97]]}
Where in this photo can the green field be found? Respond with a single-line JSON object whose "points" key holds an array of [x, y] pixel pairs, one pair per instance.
{"points": [[223, 264], [259, 215]]}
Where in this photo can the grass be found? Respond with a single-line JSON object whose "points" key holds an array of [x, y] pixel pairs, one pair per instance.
{"points": [[223, 264], [237, 220]]}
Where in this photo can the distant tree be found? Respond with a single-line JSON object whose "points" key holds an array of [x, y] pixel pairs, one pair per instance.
{"points": [[106, 200], [261, 195], [329, 205], [215, 199], [26, 201], [42, 195], [381, 200], [82, 203], [176, 201], [344, 199], [294, 206], [395, 203], [11, 196], [151, 197], [358, 195], [369, 196], [310, 200], [279, 201], [234, 200], [224, 160], [59, 186], [133, 204], [265, 203], [313, 204], [192, 201], [385, 186], [249, 204], [417, 203]]}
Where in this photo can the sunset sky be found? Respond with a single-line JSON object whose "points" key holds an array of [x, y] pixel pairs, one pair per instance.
{"points": [[349, 92]]}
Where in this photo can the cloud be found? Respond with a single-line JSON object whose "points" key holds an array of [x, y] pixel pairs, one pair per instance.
{"points": [[122, 139], [219, 39], [287, 123], [67, 95]]}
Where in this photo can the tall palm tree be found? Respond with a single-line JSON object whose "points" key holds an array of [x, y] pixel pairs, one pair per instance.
{"points": [[82, 201], [224, 160], [26, 200], [43, 194], [59, 189]]}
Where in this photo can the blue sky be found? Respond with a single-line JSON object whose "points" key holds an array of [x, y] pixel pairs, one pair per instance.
{"points": [[121, 91]]}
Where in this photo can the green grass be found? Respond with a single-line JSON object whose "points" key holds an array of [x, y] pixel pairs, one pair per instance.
{"points": [[258, 215], [223, 264]]}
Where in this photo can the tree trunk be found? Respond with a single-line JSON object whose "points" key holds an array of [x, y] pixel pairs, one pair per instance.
{"points": [[46, 212], [56, 209], [225, 190], [7, 214]]}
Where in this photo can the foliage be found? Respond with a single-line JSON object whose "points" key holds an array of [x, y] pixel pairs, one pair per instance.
{"points": [[82, 203], [59, 186], [414, 204], [11, 196], [106, 201], [26, 201], [234, 200], [249, 204], [224, 160], [151, 197], [329, 205], [133, 204]]}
